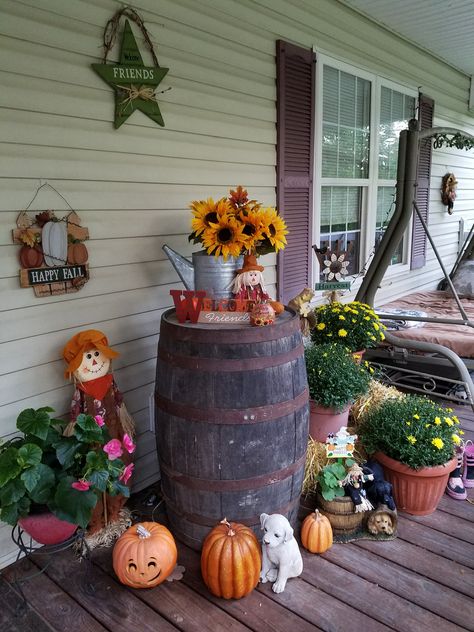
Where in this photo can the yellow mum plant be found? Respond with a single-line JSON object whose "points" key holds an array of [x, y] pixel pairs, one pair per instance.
{"points": [[413, 430], [236, 225], [355, 324]]}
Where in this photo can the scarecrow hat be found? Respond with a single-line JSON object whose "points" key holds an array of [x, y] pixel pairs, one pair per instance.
{"points": [[82, 342], [250, 263]]}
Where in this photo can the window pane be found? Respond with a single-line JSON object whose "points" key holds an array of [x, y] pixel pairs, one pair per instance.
{"points": [[396, 109], [346, 121], [340, 222], [385, 210]]}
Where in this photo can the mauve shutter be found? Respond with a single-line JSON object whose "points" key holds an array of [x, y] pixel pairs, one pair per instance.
{"points": [[418, 244], [295, 143]]}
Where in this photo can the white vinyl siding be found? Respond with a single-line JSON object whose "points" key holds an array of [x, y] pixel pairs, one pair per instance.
{"points": [[131, 187]]}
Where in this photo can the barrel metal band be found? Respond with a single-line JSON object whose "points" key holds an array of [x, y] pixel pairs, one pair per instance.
{"points": [[207, 333], [220, 416], [211, 522], [230, 485], [197, 363]]}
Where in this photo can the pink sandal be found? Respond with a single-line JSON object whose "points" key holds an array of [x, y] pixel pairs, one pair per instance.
{"points": [[455, 487], [468, 469]]}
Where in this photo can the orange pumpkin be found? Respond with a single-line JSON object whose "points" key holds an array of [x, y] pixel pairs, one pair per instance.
{"points": [[316, 533], [145, 555], [31, 257], [231, 560], [77, 253]]}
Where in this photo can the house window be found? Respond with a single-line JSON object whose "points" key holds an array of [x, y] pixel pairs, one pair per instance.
{"points": [[360, 119]]}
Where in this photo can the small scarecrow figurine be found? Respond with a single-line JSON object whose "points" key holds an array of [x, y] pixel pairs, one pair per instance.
{"points": [[88, 357], [353, 487], [249, 284]]}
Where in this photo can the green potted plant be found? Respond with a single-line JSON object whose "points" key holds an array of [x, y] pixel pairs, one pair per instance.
{"points": [[354, 324], [334, 381], [331, 499], [41, 470], [414, 439]]}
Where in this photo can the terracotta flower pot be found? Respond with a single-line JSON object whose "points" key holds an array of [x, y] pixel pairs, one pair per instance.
{"points": [[416, 492], [323, 420], [45, 528]]}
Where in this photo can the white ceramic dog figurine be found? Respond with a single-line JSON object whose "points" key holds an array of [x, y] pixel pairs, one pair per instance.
{"points": [[281, 557]]}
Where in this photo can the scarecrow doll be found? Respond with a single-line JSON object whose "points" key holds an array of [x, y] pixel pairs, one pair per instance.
{"points": [[88, 357], [249, 284]]}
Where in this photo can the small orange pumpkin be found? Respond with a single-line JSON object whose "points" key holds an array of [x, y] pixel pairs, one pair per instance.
{"points": [[77, 253], [231, 560], [316, 533], [31, 257], [145, 555]]}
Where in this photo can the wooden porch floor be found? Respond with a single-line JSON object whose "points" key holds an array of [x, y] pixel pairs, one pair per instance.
{"points": [[422, 580]]}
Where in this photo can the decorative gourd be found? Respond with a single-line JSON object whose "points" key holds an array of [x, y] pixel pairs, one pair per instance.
{"points": [[31, 257], [145, 555], [316, 533], [54, 241], [231, 560], [77, 253]]}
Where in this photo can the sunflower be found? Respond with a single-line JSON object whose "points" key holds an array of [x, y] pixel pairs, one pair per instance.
{"points": [[274, 228], [252, 228], [206, 212], [224, 237]]}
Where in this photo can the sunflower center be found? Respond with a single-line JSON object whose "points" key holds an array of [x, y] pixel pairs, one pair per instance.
{"points": [[211, 217], [336, 266], [224, 235], [249, 230], [272, 230]]}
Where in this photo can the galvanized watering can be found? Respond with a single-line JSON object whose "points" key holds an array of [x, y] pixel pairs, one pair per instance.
{"points": [[206, 272]]}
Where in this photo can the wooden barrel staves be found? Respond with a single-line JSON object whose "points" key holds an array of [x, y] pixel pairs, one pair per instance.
{"points": [[231, 422]]}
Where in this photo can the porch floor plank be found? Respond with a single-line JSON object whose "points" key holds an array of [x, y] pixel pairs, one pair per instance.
{"points": [[422, 580]]}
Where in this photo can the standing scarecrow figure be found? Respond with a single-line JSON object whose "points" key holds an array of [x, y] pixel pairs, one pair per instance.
{"points": [[88, 357], [249, 284]]}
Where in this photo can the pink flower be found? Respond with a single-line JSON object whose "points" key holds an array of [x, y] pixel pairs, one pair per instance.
{"points": [[81, 486], [99, 420], [128, 443], [113, 448], [127, 472]]}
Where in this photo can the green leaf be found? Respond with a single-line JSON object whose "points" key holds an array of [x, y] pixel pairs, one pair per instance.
{"points": [[11, 513], [35, 422], [97, 460], [73, 505], [86, 429], [12, 492], [9, 466], [40, 482], [66, 448], [29, 454], [99, 479], [116, 487]]}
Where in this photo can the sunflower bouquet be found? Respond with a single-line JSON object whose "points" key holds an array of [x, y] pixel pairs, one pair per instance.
{"points": [[354, 324], [236, 225]]}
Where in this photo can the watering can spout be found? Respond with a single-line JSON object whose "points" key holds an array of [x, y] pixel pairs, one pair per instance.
{"points": [[183, 267]]}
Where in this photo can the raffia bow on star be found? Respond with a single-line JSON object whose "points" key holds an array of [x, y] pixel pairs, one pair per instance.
{"points": [[146, 93]]}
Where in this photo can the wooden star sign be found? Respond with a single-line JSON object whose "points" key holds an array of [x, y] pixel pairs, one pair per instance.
{"points": [[134, 83]]}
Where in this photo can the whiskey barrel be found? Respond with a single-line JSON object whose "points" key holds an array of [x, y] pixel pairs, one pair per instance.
{"points": [[231, 422], [341, 514]]}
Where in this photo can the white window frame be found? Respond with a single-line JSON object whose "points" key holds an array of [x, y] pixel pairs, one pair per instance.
{"points": [[369, 209]]}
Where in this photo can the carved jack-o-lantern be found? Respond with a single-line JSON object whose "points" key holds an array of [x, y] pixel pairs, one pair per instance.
{"points": [[145, 555]]}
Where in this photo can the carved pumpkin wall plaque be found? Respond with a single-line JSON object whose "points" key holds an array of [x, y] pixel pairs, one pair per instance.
{"points": [[53, 256]]}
